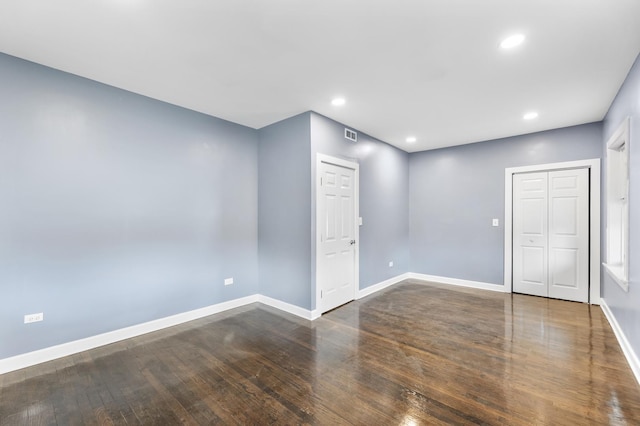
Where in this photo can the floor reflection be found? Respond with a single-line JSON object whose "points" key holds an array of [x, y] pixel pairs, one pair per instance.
{"points": [[414, 354]]}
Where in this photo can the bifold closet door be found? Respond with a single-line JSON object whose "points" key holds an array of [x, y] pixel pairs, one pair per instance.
{"points": [[530, 234], [551, 234]]}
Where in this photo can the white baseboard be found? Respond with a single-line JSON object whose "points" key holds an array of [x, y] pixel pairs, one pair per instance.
{"points": [[381, 285], [287, 307], [455, 281], [628, 351], [54, 352]]}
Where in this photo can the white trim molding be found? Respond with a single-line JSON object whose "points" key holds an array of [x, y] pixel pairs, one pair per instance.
{"points": [[54, 352], [617, 274], [594, 214], [458, 282], [629, 353], [381, 285], [616, 262], [288, 307], [59, 351]]}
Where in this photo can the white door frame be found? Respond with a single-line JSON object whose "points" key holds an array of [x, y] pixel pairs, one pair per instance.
{"points": [[322, 158], [594, 220]]}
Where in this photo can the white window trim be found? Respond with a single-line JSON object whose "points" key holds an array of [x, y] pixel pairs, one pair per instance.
{"points": [[618, 271]]}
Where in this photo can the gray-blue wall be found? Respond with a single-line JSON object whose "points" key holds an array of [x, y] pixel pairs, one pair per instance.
{"points": [[626, 306], [384, 198], [284, 211], [115, 209], [118, 209], [455, 192], [287, 163]]}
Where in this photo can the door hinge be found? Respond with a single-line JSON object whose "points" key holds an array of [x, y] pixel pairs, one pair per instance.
{"points": [[320, 181], [320, 294]]}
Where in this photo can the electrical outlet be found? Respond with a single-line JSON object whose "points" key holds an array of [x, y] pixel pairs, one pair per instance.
{"points": [[33, 318], [391, 264], [228, 281]]}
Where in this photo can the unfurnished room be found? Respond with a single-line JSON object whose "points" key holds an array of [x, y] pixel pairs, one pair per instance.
{"points": [[319, 212]]}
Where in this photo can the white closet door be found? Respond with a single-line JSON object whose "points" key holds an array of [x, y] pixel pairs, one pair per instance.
{"points": [[530, 239], [569, 235], [551, 234]]}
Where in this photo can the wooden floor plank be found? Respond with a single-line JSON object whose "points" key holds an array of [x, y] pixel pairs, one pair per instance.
{"points": [[415, 353]]}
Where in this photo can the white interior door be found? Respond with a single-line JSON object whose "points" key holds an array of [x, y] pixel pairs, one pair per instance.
{"points": [[569, 235], [551, 234], [336, 218], [530, 239]]}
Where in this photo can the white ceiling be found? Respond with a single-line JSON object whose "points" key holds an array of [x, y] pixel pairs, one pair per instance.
{"points": [[428, 68]]}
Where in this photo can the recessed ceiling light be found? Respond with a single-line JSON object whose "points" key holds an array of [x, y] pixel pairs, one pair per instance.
{"points": [[338, 101], [530, 115], [512, 41], [411, 139]]}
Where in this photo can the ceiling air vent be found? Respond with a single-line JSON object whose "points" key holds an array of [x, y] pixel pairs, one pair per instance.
{"points": [[351, 135]]}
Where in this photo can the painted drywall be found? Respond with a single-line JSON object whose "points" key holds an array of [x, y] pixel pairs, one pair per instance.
{"points": [[384, 197], [284, 211], [119, 209], [454, 193], [116, 209], [287, 156], [625, 306]]}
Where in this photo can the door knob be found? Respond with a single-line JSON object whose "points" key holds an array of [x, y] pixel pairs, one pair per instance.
{"points": [[352, 242]]}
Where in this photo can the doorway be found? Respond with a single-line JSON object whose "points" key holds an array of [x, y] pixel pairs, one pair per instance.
{"points": [[565, 255], [337, 232]]}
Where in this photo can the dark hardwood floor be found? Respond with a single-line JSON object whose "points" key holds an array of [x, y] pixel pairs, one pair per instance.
{"points": [[414, 354]]}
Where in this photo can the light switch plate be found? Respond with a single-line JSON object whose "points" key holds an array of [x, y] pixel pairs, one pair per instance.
{"points": [[495, 222]]}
